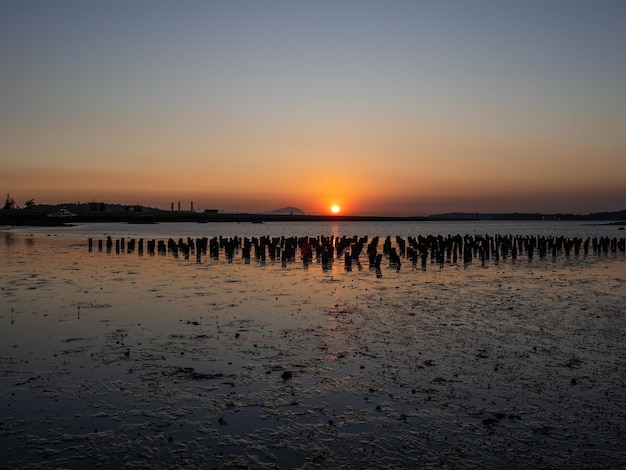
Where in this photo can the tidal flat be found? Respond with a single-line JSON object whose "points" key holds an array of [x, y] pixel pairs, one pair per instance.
{"points": [[118, 360]]}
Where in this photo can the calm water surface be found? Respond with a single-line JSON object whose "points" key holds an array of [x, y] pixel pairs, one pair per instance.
{"points": [[299, 229]]}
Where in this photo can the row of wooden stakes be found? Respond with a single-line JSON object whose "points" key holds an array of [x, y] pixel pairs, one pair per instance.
{"points": [[420, 249]]}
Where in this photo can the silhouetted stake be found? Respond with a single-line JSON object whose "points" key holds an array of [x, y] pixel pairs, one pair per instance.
{"points": [[567, 246], [306, 250], [542, 246], [506, 244], [214, 248], [440, 257], [327, 260], [394, 259], [401, 244], [442, 250], [465, 250], [485, 243], [386, 245], [371, 251], [229, 251], [379, 258]]}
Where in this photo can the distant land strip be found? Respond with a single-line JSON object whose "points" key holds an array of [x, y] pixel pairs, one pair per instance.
{"points": [[64, 214]]}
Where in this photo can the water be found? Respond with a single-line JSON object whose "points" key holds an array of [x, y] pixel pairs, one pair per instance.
{"points": [[568, 229]]}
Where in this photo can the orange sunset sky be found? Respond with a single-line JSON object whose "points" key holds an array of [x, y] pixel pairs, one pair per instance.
{"points": [[381, 107]]}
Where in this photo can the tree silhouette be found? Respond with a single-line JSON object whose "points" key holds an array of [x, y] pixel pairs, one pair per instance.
{"points": [[9, 203]]}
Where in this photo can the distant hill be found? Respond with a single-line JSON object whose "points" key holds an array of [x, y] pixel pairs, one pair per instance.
{"points": [[286, 211], [618, 215], [455, 216]]}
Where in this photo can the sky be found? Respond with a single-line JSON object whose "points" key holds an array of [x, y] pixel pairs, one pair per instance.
{"points": [[381, 107]]}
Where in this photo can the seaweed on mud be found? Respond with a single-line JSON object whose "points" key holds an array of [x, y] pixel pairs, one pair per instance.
{"points": [[190, 374]]}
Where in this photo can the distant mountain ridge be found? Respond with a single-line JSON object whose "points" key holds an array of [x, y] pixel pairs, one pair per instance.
{"points": [[289, 210], [617, 215]]}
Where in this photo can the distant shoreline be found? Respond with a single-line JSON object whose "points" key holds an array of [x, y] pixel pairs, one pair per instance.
{"points": [[42, 217], [25, 218]]}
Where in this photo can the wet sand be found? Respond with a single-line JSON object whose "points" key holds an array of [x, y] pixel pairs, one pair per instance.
{"points": [[120, 360]]}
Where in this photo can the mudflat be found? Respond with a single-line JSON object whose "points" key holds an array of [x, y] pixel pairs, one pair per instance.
{"points": [[112, 360]]}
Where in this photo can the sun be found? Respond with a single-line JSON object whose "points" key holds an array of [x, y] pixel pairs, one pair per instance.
{"points": [[335, 209]]}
